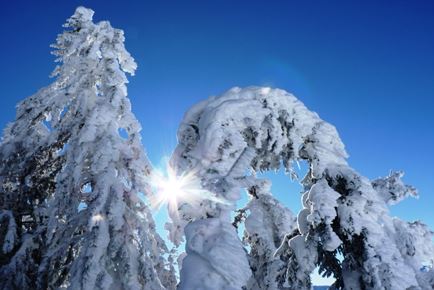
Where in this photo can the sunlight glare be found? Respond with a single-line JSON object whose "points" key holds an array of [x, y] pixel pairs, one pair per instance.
{"points": [[173, 189]]}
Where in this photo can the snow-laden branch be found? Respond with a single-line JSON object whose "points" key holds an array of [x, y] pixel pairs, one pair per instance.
{"points": [[80, 157], [393, 189], [343, 212]]}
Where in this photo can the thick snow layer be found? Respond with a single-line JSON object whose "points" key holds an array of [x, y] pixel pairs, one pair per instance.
{"points": [[72, 170], [210, 244], [266, 225], [254, 128], [71, 129], [226, 139]]}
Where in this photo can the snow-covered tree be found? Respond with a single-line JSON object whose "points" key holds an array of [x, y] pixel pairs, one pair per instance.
{"points": [[392, 188], [257, 129], [97, 231], [414, 239], [266, 225], [29, 163], [28, 166], [74, 177]]}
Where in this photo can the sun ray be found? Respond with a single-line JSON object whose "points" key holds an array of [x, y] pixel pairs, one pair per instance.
{"points": [[175, 189]]}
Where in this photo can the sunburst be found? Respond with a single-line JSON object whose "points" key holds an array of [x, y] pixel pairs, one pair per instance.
{"points": [[174, 189]]}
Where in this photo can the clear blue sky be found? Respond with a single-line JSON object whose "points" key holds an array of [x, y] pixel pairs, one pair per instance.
{"points": [[365, 66]]}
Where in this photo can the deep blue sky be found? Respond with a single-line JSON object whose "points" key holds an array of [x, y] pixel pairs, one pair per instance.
{"points": [[365, 66]]}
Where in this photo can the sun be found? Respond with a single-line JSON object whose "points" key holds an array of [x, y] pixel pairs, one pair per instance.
{"points": [[169, 188], [174, 189]]}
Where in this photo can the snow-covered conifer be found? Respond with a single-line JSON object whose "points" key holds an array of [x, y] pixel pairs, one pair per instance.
{"points": [[266, 225], [97, 231], [100, 233], [259, 129], [414, 239], [393, 189], [29, 163]]}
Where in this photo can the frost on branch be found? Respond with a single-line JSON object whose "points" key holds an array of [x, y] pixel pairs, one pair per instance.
{"points": [[75, 179], [226, 139], [266, 225], [29, 163], [393, 189]]}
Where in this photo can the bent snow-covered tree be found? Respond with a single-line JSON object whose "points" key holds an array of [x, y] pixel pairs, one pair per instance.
{"points": [[344, 214], [96, 232]]}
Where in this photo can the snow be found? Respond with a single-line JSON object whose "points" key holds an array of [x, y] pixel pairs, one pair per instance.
{"points": [[74, 176], [393, 189], [226, 139], [111, 242], [211, 242]]}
